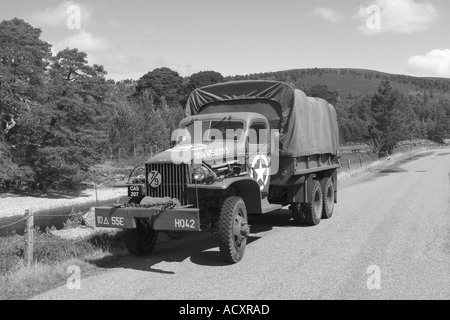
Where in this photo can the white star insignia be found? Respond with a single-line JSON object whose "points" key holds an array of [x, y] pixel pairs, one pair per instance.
{"points": [[260, 172]]}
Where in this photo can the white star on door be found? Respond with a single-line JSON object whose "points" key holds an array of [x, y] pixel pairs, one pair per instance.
{"points": [[260, 170]]}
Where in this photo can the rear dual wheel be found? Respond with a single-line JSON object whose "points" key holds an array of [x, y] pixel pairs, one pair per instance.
{"points": [[322, 196], [328, 197], [313, 210]]}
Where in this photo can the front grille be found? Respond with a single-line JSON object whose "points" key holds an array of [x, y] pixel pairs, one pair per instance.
{"points": [[173, 181]]}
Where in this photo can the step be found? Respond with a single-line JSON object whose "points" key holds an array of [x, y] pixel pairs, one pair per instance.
{"points": [[267, 207]]}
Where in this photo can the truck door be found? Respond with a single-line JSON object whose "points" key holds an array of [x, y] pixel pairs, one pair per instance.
{"points": [[259, 155]]}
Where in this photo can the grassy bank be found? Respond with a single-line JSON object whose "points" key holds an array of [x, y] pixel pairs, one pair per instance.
{"points": [[52, 257]]}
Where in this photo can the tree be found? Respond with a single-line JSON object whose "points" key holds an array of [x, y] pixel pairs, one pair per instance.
{"points": [[204, 78], [71, 133], [388, 119], [23, 61], [162, 82], [321, 91], [439, 125]]}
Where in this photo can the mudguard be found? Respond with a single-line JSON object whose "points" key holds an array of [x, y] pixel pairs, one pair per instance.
{"points": [[248, 190]]}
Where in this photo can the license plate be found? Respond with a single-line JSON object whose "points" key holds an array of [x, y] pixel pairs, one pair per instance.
{"points": [[134, 191], [110, 222], [178, 220]]}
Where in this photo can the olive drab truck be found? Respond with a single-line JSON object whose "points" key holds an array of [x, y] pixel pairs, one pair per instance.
{"points": [[245, 147]]}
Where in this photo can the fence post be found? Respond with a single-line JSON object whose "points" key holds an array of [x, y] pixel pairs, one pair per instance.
{"points": [[349, 166], [360, 161], [30, 237]]}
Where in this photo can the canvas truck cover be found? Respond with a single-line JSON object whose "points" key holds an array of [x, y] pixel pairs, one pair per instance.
{"points": [[307, 125]]}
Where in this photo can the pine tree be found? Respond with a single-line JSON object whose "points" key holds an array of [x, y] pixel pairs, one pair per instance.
{"points": [[389, 119], [72, 136]]}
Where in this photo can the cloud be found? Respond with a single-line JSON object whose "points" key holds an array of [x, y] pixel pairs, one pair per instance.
{"points": [[84, 41], [327, 14], [59, 15], [434, 63], [396, 16]]}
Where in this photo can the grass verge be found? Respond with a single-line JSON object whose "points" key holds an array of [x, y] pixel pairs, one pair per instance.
{"points": [[52, 257]]}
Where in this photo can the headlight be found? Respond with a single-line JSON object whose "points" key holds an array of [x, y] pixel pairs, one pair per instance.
{"points": [[200, 173]]}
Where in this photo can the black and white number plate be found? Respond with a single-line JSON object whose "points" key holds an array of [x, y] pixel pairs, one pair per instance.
{"points": [[134, 191]]}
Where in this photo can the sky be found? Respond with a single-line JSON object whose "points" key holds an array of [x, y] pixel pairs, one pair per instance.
{"points": [[130, 38]]}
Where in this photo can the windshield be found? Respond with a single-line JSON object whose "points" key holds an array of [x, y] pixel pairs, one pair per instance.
{"points": [[209, 130]]}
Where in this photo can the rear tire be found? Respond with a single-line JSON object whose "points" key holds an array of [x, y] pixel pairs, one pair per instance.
{"points": [[233, 229], [314, 209], [328, 197], [141, 240], [298, 212]]}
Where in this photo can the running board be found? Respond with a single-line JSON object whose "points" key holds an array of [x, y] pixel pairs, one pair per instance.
{"points": [[267, 207]]}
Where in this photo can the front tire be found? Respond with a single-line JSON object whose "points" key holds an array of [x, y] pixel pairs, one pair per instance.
{"points": [[233, 229], [140, 240]]}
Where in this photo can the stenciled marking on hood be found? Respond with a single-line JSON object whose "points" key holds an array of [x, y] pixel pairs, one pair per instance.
{"points": [[201, 151], [188, 147], [212, 153]]}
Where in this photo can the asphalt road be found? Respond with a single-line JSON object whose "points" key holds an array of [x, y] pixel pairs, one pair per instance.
{"points": [[389, 238]]}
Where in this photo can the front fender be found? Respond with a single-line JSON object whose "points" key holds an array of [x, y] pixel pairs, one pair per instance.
{"points": [[246, 188]]}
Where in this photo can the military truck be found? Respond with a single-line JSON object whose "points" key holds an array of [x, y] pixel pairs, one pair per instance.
{"points": [[245, 147]]}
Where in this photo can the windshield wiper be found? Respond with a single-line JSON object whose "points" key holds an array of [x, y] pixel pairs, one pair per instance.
{"points": [[217, 123]]}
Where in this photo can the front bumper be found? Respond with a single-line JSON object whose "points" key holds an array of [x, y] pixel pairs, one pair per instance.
{"points": [[176, 219]]}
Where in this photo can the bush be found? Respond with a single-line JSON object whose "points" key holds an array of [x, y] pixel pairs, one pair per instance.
{"points": [[75, 220], [12, 249]]}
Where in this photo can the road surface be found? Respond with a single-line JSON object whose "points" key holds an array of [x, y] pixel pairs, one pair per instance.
{"points": [[389, 238]]}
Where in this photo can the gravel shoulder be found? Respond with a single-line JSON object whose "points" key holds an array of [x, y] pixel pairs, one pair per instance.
{"points": [[13, 205]]}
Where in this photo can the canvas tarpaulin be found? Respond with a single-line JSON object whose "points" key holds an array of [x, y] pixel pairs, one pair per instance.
{"points": [[307, 125]]}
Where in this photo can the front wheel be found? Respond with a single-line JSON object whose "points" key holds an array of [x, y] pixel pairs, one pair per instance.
{"points": [[141, 240], [233, 229]]}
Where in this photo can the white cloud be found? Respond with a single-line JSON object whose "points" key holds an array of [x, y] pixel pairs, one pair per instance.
{"points": [[327, 14], [59, 15], [83, 41], [434, 63], [397, 16]]}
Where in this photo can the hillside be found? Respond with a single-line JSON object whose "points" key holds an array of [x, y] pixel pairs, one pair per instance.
{"points": [[356, 81]]}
